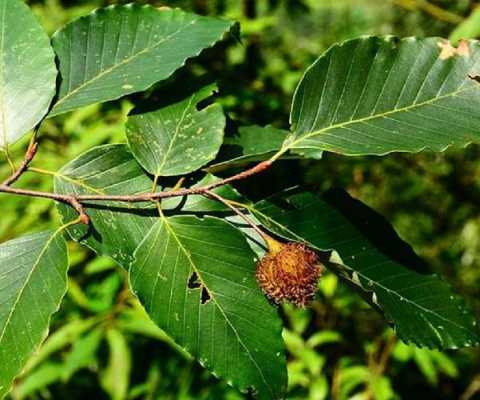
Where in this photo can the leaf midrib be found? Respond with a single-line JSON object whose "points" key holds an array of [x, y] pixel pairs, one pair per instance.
{"points": [[340, 125], [121, 63], [187, 254], [175, 134]]}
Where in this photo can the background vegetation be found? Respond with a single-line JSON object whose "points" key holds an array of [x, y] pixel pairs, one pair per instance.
{"points": [[102, 345]]}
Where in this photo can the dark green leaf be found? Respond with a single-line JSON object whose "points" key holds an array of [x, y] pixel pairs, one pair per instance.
{"points": [[379, 95], [421, 306], [252, 143], [177, 139], [33, 281], [196, 278], [27, 71], [125, 49], [202, 204], [116, 228]]}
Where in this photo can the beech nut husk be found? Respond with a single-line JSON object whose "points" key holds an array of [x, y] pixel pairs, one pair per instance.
{"points": [[289, 272]]}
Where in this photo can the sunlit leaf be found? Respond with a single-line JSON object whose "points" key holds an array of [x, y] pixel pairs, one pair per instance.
{"points": [[379, 95], [178, 138], [119, 50], [33, 281], [196, 280], [27, 71]]}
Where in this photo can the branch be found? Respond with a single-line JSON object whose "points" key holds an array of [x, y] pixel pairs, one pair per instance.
{"points": [[136, 198], [215, 196], [29, 155], [76, 200]]}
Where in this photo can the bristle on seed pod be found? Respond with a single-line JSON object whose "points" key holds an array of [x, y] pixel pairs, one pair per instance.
{"points": [[289, 272]]}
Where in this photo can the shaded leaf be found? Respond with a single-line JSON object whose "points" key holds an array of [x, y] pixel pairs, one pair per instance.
{"points": [[33, 281], [422, 307], [202, 203], [125, 49], [251, 143], [196, 279], [378, 95], [116, 228], [27, 71], [177, 139]]}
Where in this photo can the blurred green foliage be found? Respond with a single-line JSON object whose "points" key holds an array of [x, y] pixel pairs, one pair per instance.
{"points": [[103, 346]]}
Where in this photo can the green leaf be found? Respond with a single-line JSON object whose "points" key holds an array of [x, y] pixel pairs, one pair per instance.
{"points": [[377, 262], [116, 228], [196, 278], [379, 95], [125, 49], [252, 143], [33, 281], [202, 204], [468, 29], [116, 377], [177, 139], [27, 71]]}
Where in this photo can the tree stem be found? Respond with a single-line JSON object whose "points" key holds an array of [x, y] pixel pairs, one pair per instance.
{"points": [[255, 227], [29, 155], [76, 200]]}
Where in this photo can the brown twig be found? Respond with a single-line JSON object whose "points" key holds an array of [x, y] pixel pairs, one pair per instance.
{"points": [[176, 193], [29, 155], [242, 215], [5, 186], [76, 201], [62, 198]]}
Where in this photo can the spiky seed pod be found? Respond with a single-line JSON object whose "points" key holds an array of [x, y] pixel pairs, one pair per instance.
{"points": [[289, 272]]}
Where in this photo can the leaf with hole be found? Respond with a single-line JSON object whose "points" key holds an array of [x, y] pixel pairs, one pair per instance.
{"points": [[196, 279], [178, 138], [379, 95], [33, 281], [372, 258], [27, 71], [119, 50]]}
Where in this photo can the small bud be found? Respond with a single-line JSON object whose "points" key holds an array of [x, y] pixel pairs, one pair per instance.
{"points": [[289, 273]]}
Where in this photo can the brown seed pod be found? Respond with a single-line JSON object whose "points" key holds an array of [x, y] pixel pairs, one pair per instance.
{"points": [[289, 273]]}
